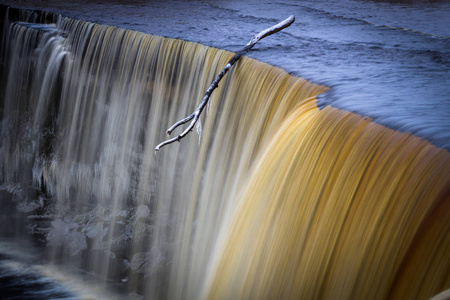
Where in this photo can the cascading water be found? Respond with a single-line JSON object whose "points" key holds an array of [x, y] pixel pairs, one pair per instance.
{"points": [[277, 199]]}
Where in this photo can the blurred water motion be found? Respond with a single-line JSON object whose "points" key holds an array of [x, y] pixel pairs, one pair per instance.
{"points": [[277, 199]]}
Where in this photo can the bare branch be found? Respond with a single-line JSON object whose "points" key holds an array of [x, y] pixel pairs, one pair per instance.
{"points": [[196, 114]]}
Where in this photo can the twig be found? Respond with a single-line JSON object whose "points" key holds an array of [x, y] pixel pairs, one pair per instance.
{"points": [[196, 114]]}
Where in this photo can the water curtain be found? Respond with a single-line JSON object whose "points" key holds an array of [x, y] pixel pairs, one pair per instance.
{"points": [[275, 198]]}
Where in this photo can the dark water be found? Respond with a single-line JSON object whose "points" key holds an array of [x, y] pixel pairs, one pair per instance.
{"points": [[20, 277], [389, 60], [25, 274]]}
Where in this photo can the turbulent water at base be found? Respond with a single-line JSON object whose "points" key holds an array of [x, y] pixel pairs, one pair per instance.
{"points": [[275, 198]]}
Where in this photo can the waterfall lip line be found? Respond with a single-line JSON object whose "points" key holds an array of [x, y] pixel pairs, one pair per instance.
{"points": [[381, 119], [39, 26]]}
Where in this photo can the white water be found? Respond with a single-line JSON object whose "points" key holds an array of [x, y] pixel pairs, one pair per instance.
{"points": [[83, 108]]}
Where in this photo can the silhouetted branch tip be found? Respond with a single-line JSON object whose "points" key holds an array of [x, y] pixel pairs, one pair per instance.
{"points": [[196, 114]]}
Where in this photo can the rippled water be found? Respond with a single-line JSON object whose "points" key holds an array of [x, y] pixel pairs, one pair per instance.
{"points": [[24, 274], [21, 279], [389, 60]]}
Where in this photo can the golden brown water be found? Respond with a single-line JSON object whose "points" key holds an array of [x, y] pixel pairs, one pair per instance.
{"points": [[278, 199], [338, 207]]}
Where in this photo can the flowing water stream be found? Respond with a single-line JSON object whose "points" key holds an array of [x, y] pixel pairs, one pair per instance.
{"points": [[280, 195]]}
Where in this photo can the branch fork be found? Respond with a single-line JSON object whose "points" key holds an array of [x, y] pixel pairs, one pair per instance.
{"points": [[194, 117]]}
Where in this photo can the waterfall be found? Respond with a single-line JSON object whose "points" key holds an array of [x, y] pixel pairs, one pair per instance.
{"points": [[346, 209], [275, 199]]}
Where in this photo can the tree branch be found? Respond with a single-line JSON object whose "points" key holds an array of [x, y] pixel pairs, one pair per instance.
{"points": [[196, 114]]}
